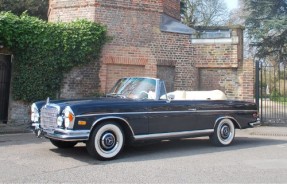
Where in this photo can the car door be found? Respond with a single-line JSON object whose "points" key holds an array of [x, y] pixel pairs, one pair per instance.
{"points": [[173, 116]]}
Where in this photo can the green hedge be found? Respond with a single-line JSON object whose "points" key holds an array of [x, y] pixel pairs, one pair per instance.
{"points": [[44, 51]]}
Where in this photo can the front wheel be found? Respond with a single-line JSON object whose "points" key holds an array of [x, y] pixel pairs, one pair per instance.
{"points": [[224, 133], [106, 141], [63, 144]]}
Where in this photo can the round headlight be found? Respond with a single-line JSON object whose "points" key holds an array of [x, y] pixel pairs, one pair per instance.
{"points": [[60, 121], [69, 117]]}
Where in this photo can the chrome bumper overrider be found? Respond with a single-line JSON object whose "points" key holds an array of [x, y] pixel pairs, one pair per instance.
{"points": [[256, 123], [61, 134]]}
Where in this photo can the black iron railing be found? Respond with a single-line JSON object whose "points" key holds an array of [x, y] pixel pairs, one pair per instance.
{"points": [[271, 92]]}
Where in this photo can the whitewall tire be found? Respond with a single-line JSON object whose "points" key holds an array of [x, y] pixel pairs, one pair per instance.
{"points": [[106, 141], [224, 133]]}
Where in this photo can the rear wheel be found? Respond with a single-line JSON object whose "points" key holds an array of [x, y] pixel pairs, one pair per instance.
{"points": [[63, 144], [106, 141], [224, 133]]}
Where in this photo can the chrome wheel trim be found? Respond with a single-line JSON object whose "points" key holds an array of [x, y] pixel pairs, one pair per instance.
{"points": [[225, 131], [109, 141]]}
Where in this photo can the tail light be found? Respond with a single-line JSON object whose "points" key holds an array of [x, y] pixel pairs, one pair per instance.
{"points": [[255, 115]]}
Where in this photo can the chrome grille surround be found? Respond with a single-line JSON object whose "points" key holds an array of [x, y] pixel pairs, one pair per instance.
{"points": [[49, 114]]}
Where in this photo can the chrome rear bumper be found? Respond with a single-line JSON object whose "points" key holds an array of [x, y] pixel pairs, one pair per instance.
{"points": [[256, 123]]}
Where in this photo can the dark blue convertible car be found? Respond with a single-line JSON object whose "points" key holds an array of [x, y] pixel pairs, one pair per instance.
{"points": [[139, 109]]}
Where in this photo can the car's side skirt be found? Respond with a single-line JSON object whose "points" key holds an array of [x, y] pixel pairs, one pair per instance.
{"points": [[67, 136], [169, 135]]}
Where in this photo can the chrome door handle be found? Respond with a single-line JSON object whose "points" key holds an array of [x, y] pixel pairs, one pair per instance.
{"points": [[192, 109]]}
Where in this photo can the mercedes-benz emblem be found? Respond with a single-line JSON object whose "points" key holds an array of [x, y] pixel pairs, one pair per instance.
{"points": [[109, 141]]}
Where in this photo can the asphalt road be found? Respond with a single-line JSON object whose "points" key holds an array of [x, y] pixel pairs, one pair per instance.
{"points": [[251, 159]]}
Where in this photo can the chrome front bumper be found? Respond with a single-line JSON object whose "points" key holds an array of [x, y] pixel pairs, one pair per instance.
{"points": [[61, 134]]}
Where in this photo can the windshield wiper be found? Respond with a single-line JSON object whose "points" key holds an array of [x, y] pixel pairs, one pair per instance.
{"points": [[116, 95]]}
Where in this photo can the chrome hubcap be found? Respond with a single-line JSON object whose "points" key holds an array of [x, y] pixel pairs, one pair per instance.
{"points": [[225, 131], [108, 141]]}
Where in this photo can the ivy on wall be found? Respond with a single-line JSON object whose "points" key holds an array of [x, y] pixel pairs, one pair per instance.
{"points": [[44, 52]]}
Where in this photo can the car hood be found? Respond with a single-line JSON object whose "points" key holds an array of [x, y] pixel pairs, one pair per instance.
{"points": [[87, 102], [88, 106]]}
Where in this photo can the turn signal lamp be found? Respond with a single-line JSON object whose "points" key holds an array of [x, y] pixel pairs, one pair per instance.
{"points": [[82, 123]]}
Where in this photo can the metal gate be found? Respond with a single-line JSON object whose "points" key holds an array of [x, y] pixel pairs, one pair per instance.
{"points": [[271, 91], [5, 76]]}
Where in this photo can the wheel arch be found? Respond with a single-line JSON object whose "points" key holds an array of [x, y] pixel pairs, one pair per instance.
{"points": [[123, 123], [234, 121]]}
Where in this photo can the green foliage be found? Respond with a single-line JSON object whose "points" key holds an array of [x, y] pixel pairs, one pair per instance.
{"points": [[43, 52], [38, 8], [267, 27], [276, 96]]}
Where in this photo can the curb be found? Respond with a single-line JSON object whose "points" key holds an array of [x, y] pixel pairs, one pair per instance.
{"points": [[12, 129], [268, 131]]}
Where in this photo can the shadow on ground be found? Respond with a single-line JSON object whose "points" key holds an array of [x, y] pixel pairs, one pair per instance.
{"points": [[168, 149]]}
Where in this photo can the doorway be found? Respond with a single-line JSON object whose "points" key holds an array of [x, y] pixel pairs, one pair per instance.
{"points": [[5, 78]]}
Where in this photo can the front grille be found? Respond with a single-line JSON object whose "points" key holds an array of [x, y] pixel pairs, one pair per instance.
{"points": [[49, 116]]}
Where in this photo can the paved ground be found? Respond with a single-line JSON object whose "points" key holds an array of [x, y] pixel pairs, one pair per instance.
{"points": [[257, 156], [14, 128]]}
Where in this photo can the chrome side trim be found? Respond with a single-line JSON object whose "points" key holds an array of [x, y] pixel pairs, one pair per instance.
{"points": [[227, 117], [174, 134], [113, 117], [162, 112]]}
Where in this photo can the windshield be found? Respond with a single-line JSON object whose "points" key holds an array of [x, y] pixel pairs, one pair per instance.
{"points": [[135, 88]]}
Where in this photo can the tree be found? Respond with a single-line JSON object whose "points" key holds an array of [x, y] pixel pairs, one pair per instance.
{"points": [[237, 16], [204, 12], [38, 8], [266, 25]]}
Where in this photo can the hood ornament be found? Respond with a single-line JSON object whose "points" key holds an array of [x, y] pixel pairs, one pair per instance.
{"points": [[48, 101]]}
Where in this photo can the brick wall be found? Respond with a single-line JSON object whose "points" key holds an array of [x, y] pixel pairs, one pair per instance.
{"points": [[19, 112], [68, 10], [216, 55], [81, 82], [172, 8], [246, 77], [225, 80]]}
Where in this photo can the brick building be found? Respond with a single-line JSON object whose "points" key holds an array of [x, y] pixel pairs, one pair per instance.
{"points": [[149, 40]]}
